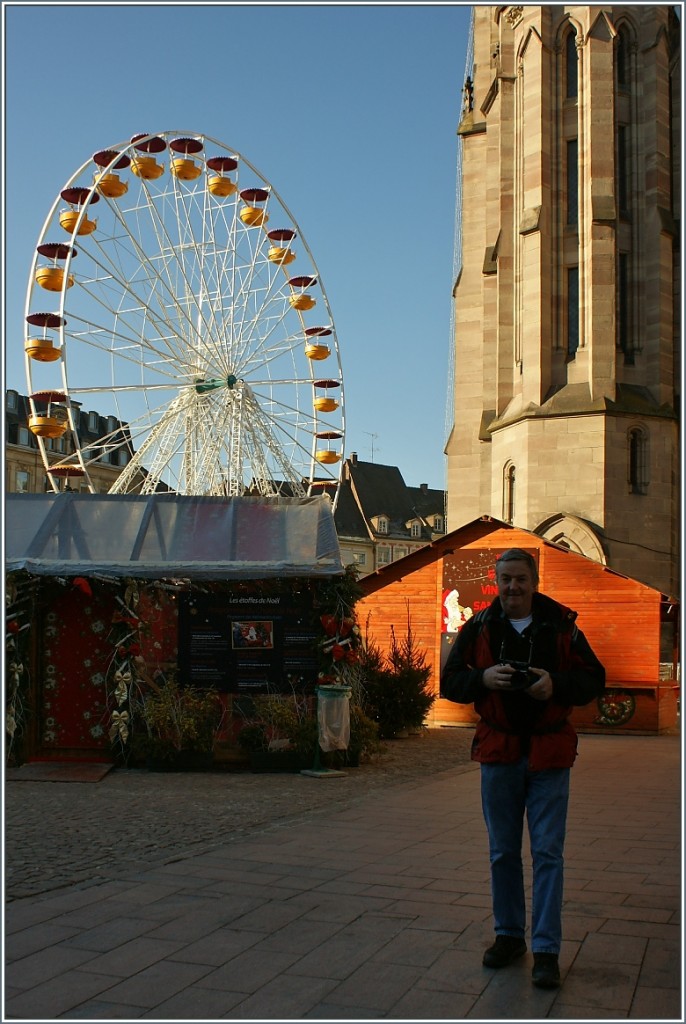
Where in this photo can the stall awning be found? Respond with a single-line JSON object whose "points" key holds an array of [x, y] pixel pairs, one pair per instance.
{"points": [[169, 536]]}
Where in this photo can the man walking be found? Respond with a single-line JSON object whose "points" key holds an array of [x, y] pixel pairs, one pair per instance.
{"points": [[524, 664]]}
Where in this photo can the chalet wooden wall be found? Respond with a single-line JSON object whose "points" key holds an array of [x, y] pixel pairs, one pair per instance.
{"points": [[620, 617]]}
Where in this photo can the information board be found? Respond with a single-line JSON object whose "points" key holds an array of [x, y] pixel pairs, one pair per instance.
{"points": [[248, 643]]}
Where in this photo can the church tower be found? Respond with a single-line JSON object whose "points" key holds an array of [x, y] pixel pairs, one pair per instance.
{"points": [[567, 306]]}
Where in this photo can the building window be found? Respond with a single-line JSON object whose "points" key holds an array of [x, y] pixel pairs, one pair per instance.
{"points": [[509, 476], [383, 524], [22, 482], [399, 552], [572, 182], [638, 461], [415, 530], [93, 422], [623, 170], [383, 556], [624, 308], [123, 457], [572, 65], [23, 437], [12, 400], [572, 311], [438, 524], [360, 557], [622, 59]]}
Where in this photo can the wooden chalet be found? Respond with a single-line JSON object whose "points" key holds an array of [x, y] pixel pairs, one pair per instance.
{"points": [[632, 627]]}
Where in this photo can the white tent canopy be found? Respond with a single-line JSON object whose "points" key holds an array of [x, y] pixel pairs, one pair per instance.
{"points": [[170, 536]]}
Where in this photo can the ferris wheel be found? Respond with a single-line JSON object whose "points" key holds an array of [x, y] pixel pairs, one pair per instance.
{"points": [[178, 334]]}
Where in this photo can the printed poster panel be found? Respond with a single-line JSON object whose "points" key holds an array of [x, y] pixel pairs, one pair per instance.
{"points": [[468, 587], [248, 644]]}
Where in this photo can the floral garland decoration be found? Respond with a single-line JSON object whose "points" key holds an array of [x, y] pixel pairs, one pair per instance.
{"points": [[19, 594], [123, 673], [340, 648]]}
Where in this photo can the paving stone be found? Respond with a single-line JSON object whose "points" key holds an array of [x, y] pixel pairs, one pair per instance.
{"points": [[57, 996], [40, 966], [100, 1009], [332, 1011], [217, 948], [424, 1003], [108, 936], [612, 949], [194, 1003], [131, 957], [248, 971], [415, 948], [37, 937], [156, 984], [285, 997], [351, 947], [656, 1004], [299, 936], [458, 970], [605, 986], [378, 985]]}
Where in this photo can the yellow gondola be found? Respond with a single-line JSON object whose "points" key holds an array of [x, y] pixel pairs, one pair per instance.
{"points": [[327, 456], [302, 302], [146, 167], [221, 186], [46, 426], [324, 404], [253, 216], [68, 219], [315, 351], [112, 186], [185, 169], [42, 349], [52, 278], [280, 254]]}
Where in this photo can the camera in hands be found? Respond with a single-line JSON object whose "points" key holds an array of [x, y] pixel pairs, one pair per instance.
{"points": [[522, 677]]}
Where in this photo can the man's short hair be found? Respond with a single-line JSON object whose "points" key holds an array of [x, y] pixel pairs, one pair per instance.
{"points": [[519, 555]]}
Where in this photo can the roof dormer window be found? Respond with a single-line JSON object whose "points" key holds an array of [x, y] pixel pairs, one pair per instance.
{"points": [[382, 524]]}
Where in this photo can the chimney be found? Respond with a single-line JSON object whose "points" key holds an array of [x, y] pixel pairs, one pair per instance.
{"points": [[423, 488], [353, 458]]}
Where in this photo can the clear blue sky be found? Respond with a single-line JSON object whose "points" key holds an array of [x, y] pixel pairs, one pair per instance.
{"points": [[349, 111]]}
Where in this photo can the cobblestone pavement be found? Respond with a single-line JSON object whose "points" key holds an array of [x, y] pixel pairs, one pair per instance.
{"points": [[134, 818]]}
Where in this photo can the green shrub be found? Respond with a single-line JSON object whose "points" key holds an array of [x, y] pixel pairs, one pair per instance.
{"points": [[397, 694]]}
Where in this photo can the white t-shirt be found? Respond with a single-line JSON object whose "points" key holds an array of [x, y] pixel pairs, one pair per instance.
{"points": [[521, 624]]}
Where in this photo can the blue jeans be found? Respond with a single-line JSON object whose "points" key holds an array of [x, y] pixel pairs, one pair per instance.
{"points": [[507, 792]]}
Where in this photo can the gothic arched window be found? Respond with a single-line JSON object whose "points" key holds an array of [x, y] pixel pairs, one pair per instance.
{"points": [[622, 58], [572, 65], [509, 474], [638, 460]]}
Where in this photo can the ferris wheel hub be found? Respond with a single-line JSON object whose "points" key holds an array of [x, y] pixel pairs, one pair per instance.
{"points": [[203, 386]]}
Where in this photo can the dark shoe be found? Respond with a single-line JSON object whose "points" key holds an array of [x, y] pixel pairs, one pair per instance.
{"points": [[505, 950], [546, 971]]}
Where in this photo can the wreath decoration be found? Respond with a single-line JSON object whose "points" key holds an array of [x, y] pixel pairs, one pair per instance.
{"points": [[616, 707]]}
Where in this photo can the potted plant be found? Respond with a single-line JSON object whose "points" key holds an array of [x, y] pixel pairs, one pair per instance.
{"points": [[281, 734], [179, 725]]}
